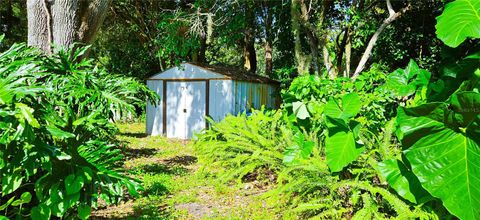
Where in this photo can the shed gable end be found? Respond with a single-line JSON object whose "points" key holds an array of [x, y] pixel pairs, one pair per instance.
{"points": [[187, 71]]}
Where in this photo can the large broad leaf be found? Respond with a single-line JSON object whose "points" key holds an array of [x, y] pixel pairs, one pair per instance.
{"points": [[300, 110], [341, 147], [405, 82], [41, 212], [459, 20], [349, 107], [403, 181], [467, 104], [444, 156]]}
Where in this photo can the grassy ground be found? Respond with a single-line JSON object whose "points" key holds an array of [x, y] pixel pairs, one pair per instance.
{"points": [[177, 188]]}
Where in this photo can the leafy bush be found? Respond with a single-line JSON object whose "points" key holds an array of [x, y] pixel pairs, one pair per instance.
{"points": [[57, 137], [305, 98], [242, 145]]}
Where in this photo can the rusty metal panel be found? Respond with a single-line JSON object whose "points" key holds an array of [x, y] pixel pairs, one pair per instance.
{"points": [[248, 95]]}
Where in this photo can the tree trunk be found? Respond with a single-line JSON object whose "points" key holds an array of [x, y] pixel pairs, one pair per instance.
{"points": [[348, 55], [39, 25], [341, 49], [201, 58], [328, 63], [249, 55], [310, 32], [63, 22], [368, 51], [302, 60], [268, 39]]}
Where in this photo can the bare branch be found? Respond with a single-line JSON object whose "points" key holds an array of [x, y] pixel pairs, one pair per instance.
{"points": [[391, 12], [373, 40]]}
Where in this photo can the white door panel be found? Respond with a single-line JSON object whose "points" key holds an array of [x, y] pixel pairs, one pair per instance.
{"points": [[185, 108]]}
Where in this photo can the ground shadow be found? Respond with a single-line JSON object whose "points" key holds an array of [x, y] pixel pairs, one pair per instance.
{"points": [[181, 160], [158, 168], [134, 135], [137, 153]]}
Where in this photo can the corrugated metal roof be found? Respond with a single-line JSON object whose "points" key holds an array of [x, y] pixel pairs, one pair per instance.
{"points": [[236, 73]]}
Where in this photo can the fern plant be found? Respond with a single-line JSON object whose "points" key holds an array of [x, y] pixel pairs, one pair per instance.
{"points": [[242, 145]]}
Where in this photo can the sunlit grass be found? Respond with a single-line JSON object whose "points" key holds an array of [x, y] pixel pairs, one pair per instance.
{"points": [[175, 186]]}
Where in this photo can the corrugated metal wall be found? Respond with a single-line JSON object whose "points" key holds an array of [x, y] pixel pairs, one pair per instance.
{"points": [[155, 114], [248, 95], [221, 99]]}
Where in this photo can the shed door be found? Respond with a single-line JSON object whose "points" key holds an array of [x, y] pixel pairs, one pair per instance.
{"points": [[186, 105]]}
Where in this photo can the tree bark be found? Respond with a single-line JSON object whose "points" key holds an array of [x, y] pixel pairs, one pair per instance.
{"points": [[64, 17], [310, 32], [249, 55], [39, 25], [60, 23], [92, 15], [368, 51], [332, 74], [348, 55], [203, 48], [341, 49], [302, 59], [268, 39]]}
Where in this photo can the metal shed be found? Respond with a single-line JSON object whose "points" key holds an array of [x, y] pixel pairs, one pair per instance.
{"points": [[192, 91]]}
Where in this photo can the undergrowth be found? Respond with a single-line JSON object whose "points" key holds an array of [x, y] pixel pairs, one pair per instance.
{"points": [[245, 148]]}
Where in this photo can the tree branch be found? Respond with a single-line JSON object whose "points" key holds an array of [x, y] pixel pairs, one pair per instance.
{"points": [[373, 40]]}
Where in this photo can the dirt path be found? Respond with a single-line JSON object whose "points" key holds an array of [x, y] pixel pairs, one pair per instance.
{"points": [[176, 186]]}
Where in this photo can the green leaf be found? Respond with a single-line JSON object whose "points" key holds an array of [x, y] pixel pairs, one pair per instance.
{"points": [[444, 157], [351, 104], [4, 206], [349, 107], [300, 110], [27, 114], [405, 82], [41, 212], [10, 183], [84, 211], [459, 21], [17, 202], [73, 184], [403, 181], [58, 133], [332, 109], [467, 104], [302, 149], [3, 217], [341, 147], [26, 197]]}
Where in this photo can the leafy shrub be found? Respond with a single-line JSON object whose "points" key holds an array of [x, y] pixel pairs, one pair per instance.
{"points": [[304, 100], [243, 145], [57, 137]]}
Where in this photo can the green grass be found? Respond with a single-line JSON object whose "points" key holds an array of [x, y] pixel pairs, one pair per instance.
{"points": [[177, 188]]}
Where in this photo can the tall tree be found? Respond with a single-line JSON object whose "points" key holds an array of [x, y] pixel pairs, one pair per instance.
{"points": [[63, 22], [249, 54], [267, 13]]}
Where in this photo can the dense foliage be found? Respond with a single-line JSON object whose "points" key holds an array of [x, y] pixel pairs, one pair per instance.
{"points": [[57, 152], [402, 145], [396, 136]]}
